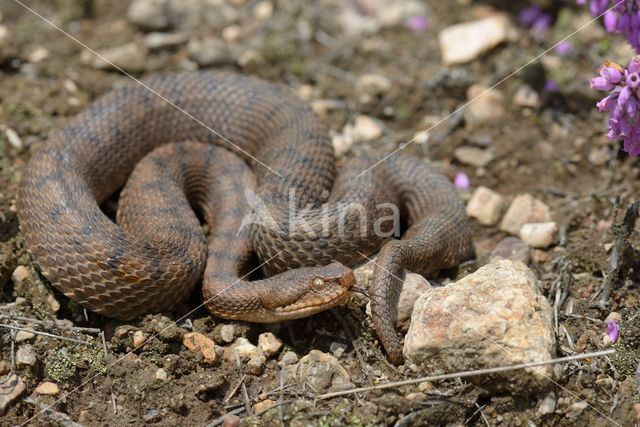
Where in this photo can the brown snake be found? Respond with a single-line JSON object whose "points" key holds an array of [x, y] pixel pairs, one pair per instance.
{"points": [[302, 218]]}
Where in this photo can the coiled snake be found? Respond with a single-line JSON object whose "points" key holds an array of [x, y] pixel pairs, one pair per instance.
{"points": [[278, 195]]}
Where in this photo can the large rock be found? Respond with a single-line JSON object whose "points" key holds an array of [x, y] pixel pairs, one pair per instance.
{"points": [[10, 390], [464, 42], [494, 317], [321, 371]]}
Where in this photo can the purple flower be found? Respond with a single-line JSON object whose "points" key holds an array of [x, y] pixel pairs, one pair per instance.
{"points": [[418, 23], [551, 86], [535, 18], [564, 48], [461, 180], [612, 330], [622, 103], [621, 16]]}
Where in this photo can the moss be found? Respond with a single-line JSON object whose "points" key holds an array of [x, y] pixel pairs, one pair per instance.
{"points": [[65, 363]]}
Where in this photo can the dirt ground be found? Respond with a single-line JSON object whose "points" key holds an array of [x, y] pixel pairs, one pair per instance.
{"points": [[556, 152]]}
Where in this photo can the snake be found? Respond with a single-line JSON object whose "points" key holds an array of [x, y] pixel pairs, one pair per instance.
{"points": [[215, 170]]}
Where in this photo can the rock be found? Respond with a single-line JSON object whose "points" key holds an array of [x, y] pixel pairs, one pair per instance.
{"points": [[47, 388], [227, 333], [524, 209], [473, 156], [129, 57], [575, 409], [148, 14], [232, 34], [485, 105], [263, 10], [53, 303], [264, 405], [139, 339], [289, 358], [14, 140], [269, 344], [413, 287], [366, 129], [230, 420], [369, 16], [210, 51], [161, 375], [539, 256], [25, 356], [373, 84], [22, 336], [548, 404], [165, 40], [464, 42], [600, 156], [337, 349], [485, 206], [152, 416], [199, 343], [255, 365], [20, 275], [496, 316], [38, 55], [10, 390], [243, 347], [526, 96], [539, 235], [513, 249], [320, 370], [614, 316]]}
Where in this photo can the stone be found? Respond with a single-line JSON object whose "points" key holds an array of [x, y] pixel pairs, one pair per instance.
{"points": [[148, 14], [289, 358], [227, 333], [243, 347], [232, 34], [373, 84], [614, 316], [464, 42], [575, 409], [231, 420], [548, 404], [25, 356], [369, 16], [526, 96], [47, 388], [210, 51], [52, 303], [524, 209], [413, 287], [473, 156], [10, 390], [263, 406], [599, 156], [152, 416], [269, 344], [199, 343], [158, 40], [513, 249], [20, 275], [337, 349], [129, 57], [263, 10], [139, 339], [38, 55], [366, 129], [255, 365], [539, 235], [14, 139], [22, 336], [485, 206], [485, 105], [320, 370], [494, 317], [161, 375]]}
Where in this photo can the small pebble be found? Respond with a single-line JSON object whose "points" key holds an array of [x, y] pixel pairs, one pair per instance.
{"points": [[243, 347], [161, 375], [14, 139], [526, 96], [39, 54], [575, 409], [129, 57], [261, 406], [269, 344], [48, 388], [165, 40], [255, 365], [263, 10], [25, 356], [230, 420], [524, 209], [366, 129], [227, 333], [199, 343], [473, 156], [22, 336], [485, 206], [152, 416], [232, 34], [337, 349], [548, 404], [485, 105], [139, 339], [539, 235], [464, 42], [289, 358]]}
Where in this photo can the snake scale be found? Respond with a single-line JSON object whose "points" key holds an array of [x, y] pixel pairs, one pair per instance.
{"points": [[274, 190]]}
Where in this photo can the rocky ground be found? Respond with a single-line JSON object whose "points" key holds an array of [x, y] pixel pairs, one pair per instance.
{"points": [[554, 274]]}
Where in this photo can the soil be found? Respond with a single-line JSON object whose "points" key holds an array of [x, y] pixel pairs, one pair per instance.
{"points": [[557, 152]]}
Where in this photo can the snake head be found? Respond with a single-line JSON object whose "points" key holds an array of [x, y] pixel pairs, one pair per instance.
{"points": [[312, 289]]}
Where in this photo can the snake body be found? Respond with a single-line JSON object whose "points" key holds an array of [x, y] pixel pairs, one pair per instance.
{"points": [[273, 189]]}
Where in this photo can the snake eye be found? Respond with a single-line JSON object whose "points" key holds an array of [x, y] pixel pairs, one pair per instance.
{"points": [[317, 283]]}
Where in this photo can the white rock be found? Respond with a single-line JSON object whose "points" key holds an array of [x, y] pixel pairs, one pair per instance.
{"points": [[161, 375], [227, 333], [129, 57], [373, 84], [243, 347], [158, 40], [210, 51], [485, 206], [526, 96], [148, 14], [232, 33], [320, 370], [337, 349], [22, 336], [14, 139], [539, 235], [25, 356], [464, 42], [524, 209], [39, 54], [548, 404], [366, 129], [269, 344], [473, 156], [485, 105], [496, 316], [263, 10]]}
